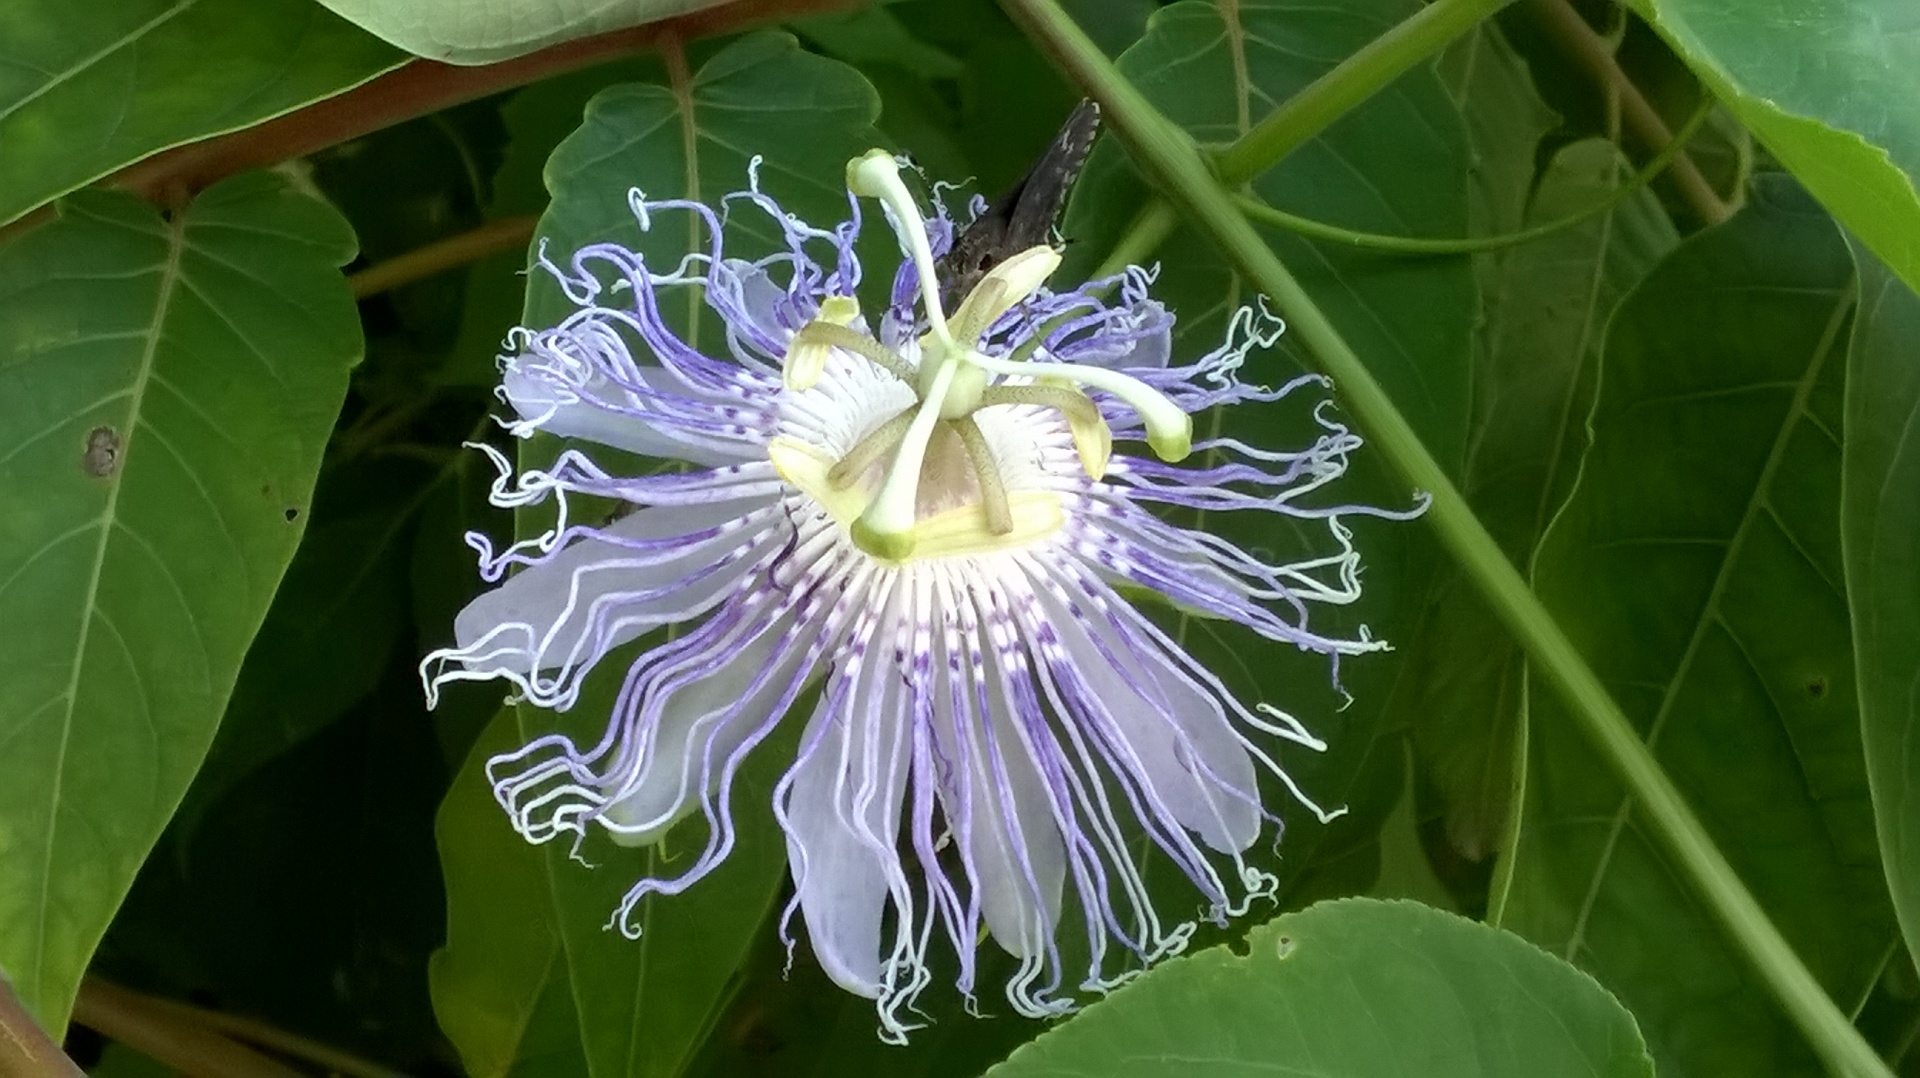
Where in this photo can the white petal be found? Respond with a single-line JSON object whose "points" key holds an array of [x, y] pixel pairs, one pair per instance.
{"points": [[700, 724], [537, 619], [1002, 814], [842, 819], [1174, 766], [534, 394]]}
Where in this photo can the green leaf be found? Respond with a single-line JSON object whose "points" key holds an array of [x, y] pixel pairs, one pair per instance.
{"points": [[88, 88], [1546, 308], [532, 979], [1412, 318], [1828, 86], [1506, 119], [500, 985], [1697, 566], [1354, 988], [335, 620], [464, 32], [166, 388], [1880, 534], [806, 115], [1416, 316]]}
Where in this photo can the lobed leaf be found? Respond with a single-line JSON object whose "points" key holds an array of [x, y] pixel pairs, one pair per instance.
{"points": [[166, 388]]}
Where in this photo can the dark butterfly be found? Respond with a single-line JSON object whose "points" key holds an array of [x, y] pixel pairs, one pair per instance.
{"points": [[1025, 215]]}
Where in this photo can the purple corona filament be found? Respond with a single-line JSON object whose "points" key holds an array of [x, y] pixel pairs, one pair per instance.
{"points": [[996, 728]]}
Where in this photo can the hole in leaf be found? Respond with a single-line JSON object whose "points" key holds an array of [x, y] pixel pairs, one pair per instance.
{"points": [[102, 456]]}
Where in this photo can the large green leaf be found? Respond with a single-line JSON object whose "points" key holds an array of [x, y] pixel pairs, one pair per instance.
{"points": [[88, 88], [1697, 566], [1880, 533], [464, 32], [1546, 309], [1354, 988], [166, 387], [1828, 86], [643, 1007], [1217, 70]]}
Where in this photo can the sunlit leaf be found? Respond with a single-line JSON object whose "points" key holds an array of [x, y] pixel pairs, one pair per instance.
{"points": [[166, 387], [465, 32], [1697, 565], [88, 88], [1356, 988], [1828, 87], [1880, 532]]}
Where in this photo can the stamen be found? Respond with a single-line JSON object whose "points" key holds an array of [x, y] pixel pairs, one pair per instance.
{"points": [[807, 355], [993, 492], [867, 451], [1169, 430], [824, 335], [1092, 438], [1009, 283], [876, 175], [885, 530]]}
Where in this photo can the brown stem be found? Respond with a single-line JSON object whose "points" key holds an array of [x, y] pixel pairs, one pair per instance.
{"points": [[25, 1049], [441, 255], [256, 1032], [192, 1049], [1566, 28], [419, 87]]}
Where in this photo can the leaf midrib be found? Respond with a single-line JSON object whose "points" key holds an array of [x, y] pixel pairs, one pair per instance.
{"points": [[169, 277], [1796, 413]]}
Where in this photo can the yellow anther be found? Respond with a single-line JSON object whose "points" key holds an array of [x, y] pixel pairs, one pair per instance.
{"points": [[807, 354]]}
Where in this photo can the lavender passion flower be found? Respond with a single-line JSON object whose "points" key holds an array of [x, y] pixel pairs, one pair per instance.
{"points": [[922, 515]]}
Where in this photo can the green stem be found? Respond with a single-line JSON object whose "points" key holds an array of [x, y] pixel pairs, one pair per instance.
{"points": [[1377, 65], [1176, 167], [1413, 245], [1566, 28]]}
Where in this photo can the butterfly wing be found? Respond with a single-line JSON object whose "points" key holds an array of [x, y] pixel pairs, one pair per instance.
{"points": [[1024, 216]]}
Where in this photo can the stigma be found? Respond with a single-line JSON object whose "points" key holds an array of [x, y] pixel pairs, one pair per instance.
{"points": [[931, 478]]}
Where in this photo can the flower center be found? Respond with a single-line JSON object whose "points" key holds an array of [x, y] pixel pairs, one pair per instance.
{"points": [[940, 490]]}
